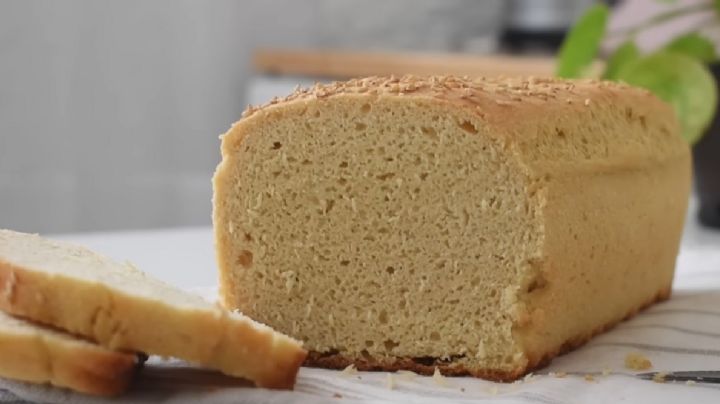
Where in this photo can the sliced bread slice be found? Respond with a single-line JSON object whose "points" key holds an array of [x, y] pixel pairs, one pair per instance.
{"points": [[32, 353], [87, 294]]}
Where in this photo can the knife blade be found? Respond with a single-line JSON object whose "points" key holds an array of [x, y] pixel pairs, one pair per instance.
{"points": [[698, 376]]}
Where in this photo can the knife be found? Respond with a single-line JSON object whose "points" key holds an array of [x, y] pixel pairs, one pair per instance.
{"points": [[698, 376]]}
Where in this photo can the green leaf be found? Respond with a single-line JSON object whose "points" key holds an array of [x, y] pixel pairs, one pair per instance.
{"points": [[581, 44], [695, 46], [683, 82], [627, 52]]}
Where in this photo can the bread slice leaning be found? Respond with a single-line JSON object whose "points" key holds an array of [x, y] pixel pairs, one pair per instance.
{"points": [[87, 294], [37, 354]]}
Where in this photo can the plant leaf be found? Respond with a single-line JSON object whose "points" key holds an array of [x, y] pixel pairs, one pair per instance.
{"points": [[693, 45], [683, 82], [582, 42], [623, 55]]}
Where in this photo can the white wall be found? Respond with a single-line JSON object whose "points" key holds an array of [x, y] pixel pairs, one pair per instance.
{"points": [[110, 110]]}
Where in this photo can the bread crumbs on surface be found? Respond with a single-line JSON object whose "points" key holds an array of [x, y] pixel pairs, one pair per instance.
{"points": [[389, 381], [659, 377], [691, 382], [438, 378], [588, 377], [337, 395], [406, 375], [528, 377], [493, 390], [350, 369], [462, 389], [558, 375], [606, 372], [637, 361]]}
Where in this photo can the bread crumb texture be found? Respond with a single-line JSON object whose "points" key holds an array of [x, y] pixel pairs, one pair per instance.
{"points": [[444, 222], [350, 370], [637, 361], [439, 379], [659, 377], [390, 381]]}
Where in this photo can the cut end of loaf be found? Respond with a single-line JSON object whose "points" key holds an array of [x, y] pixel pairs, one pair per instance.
{"points": [[375, 237]]}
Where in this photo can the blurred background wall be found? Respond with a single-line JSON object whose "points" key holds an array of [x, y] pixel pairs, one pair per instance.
{"points": [[110, 110]]}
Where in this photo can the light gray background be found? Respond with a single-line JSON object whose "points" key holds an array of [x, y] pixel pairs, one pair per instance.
{"points": [[110, 110]]}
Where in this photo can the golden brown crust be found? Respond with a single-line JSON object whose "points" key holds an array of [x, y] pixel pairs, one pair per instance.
{"points": [[496, 103], [37, 354], [499, 91], [426, 366]]}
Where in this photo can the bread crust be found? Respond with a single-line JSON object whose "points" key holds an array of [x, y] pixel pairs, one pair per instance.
{"points": [[606, 172], [212, 337], [39, 355], [448, 368]]}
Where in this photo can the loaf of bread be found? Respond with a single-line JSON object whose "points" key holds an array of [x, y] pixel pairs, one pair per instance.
{"points": [[114, 304], [37, 354], [476, 226]]}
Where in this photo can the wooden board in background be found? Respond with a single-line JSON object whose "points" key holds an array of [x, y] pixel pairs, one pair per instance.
{"points": [[344, 65]]}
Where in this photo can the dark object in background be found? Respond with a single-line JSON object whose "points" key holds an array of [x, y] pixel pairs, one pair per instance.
{"points": [[706, 161], [539, 25]]}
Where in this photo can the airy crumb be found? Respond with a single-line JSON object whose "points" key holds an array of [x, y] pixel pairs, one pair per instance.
{"points": [[438, 378], [587, 102], [588, 377], [389, 381], [637, 361], [690, 382], [659, 377]]}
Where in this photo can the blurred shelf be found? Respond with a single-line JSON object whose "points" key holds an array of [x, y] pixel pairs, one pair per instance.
{"points": [[343, 65]]}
